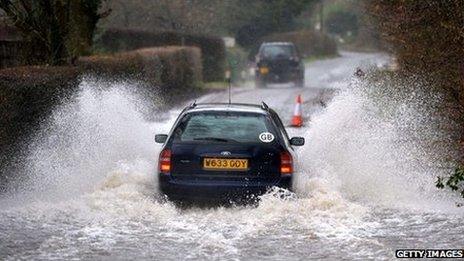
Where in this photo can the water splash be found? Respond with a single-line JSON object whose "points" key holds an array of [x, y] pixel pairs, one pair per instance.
{"points": [[91, 191], [102, 130], [376, 144], [363, 149]]}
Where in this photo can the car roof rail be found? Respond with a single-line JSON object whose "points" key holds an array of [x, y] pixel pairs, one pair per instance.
{"points": [[264, 106], [192, 105]]}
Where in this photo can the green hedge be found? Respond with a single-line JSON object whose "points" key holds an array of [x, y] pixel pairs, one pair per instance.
{"points": [[309, 43], [170, 68], [29, 94], [212, 48]]}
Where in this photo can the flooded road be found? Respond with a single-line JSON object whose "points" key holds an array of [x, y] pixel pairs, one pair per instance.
{"points": [[88, 189]]}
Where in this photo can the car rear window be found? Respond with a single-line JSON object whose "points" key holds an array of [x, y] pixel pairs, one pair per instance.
{"points": [[222, 127], [272, 51]]}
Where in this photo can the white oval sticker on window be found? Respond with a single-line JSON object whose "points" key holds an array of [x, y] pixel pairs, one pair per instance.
{"points": [[266, 137]]}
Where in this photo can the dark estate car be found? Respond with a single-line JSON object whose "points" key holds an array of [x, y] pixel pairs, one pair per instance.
{"points": [[278, 62], [225, 152]]}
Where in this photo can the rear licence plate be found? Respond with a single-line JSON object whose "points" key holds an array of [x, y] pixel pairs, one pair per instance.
{"points": [[225, 164]]}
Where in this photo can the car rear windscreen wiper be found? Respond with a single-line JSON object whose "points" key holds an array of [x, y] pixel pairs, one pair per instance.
{"points": [[215, 139]]}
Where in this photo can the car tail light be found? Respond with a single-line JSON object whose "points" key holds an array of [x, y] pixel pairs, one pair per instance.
{"points": [[286, 163], [264, 70], [164, 163]]}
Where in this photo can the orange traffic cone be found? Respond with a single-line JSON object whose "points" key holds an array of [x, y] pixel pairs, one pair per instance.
{"points": [[297, 120]]}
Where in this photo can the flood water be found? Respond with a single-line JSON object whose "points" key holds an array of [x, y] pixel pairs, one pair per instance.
{"points": [[88, 189]]}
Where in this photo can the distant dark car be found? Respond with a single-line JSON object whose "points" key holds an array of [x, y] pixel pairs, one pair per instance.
{"points": [[228, 152], [278, 62]]}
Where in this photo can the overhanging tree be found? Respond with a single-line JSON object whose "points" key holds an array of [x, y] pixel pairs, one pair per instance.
{"points": [[57, 31]]}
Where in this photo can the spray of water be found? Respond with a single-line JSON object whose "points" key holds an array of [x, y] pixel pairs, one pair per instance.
{"points": [[101, 131], [376, 144], [368, 145], [90, 173]]}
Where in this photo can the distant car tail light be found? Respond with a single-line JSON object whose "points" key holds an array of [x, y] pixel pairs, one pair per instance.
{"points": [[263, 70], [286, 163], [164, 162]]}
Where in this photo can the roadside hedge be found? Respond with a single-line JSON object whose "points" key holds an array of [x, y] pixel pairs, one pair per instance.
{"points": [[427, 39], [171, 69], [29, 94], [309, 43], [212, 48]]}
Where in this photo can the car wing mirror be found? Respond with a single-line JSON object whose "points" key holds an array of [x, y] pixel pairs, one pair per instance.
{"points": [[297, 141], [161, 138]]}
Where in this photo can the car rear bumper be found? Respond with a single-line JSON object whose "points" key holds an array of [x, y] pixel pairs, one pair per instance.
{"points": [[280, 77], [217, 190]]}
